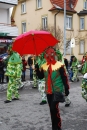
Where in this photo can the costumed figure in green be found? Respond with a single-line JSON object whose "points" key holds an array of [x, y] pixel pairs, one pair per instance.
{"points": [[75, 69], [61, 59], [84, 80], [34, 72], [14, 72], [41, 81], [56, 81]]}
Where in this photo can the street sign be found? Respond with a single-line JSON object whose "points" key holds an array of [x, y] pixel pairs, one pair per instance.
{"points": [[72, 43]]}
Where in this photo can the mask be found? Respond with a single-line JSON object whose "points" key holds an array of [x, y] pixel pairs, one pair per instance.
{"points": [[50, 55]]}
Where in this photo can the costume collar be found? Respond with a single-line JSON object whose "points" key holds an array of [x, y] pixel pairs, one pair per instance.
{"points": [[54, 67]]}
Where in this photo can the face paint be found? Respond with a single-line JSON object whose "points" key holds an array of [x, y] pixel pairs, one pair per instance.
{"points": [[50, 55]]}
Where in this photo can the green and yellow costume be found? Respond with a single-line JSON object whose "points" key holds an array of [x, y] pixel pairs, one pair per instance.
{"points": [[84, 80], [75, 70], [41, 82], [14, 72]]}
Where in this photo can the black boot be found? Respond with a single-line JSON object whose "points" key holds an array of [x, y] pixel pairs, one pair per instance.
{"points": [[43, 102], [7, 101], [54, 128]]}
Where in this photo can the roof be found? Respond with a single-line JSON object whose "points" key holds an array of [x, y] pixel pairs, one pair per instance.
{"points": [[82, 13], [70, 5]]}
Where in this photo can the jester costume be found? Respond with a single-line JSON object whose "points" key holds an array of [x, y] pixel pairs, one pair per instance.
{"points": [[55, 81], [14, 72], [84, 80], [74, 68], [41, 81]]}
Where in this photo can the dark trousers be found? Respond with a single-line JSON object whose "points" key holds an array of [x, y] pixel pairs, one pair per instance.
{"points": [[23, 75], [70, 74], [7, 79], [2, 78], [31, 72], [54, 111]]}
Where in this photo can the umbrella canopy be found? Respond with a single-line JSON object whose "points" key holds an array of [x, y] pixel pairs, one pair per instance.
{"points": [[33, 42]]}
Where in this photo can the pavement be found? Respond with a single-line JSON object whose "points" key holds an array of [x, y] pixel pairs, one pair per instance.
{"points": [[27, 114]]}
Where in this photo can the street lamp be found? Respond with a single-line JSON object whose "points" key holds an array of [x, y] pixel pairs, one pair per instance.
{"points": [[64, 27]]}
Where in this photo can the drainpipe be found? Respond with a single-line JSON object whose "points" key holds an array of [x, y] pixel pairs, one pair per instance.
{"points": [[55, 23]]}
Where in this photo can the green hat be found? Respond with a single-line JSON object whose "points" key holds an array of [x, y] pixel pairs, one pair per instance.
{"points": [[59, 54], [15, 58]]}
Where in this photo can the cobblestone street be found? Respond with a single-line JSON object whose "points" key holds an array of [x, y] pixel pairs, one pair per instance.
{"points": [[27, 114]]}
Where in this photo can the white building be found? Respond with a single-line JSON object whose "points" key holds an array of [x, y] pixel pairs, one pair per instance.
{"points": [[7, 31]]}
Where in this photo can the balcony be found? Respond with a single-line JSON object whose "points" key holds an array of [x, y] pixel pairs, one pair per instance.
{"points": [[10, 30], [8, 3]]}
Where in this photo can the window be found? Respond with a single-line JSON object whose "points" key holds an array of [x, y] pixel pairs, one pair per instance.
{"points": [[23, 27], [44, 23], [23, 8], [85, 4], [81, 23], [82, 47], [39, 4], [68, 22]]}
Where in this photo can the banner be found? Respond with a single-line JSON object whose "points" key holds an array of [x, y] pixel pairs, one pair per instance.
{"points": [[5, 40]]}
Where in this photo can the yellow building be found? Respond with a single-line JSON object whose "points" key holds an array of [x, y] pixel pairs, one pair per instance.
{"points": [[49, 15]]}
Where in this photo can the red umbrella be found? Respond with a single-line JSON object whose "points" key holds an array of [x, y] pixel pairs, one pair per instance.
{"points": [[33, 42]]}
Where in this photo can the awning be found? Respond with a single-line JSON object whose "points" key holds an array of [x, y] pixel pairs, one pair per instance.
{"points": [[3, 34]]}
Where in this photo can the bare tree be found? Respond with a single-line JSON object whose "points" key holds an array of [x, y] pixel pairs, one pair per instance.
{"points": [[60, 36]]}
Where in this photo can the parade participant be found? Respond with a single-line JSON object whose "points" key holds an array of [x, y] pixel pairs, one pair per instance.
{"points": [[84, 80], [74, 68], [55, 81], [41, 80], [61, 59], [84, 66], [14, 72], [34, 58]]}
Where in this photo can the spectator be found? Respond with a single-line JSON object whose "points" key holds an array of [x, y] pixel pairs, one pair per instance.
{"points": [[66, 64], [71, 72], [24, 62], [30, 63], [83, 59], [1, 71], [5, 67]]}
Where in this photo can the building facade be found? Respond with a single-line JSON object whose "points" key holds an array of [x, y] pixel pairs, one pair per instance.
{"points": [[49, 15], [7, 31]]}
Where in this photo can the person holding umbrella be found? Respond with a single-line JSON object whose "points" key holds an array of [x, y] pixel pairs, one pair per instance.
{"points": [[41, 81]]}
